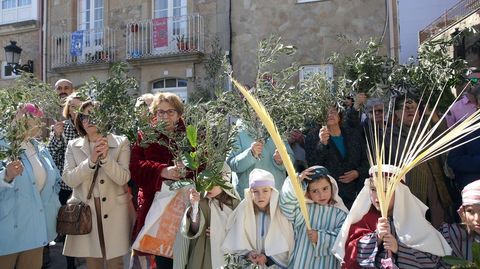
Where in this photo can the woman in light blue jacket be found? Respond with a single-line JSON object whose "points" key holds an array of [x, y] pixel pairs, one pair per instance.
{"points": [[249, 154], [29, 203]]}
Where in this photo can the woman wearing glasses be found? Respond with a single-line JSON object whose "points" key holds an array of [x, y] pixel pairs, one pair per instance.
{"points": [[153, 165], [109, 239]]}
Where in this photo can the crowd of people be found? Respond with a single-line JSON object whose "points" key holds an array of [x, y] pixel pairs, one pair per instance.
{"points": [[255, 217]]}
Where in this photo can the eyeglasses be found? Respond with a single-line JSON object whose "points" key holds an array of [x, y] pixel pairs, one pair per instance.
{"points": [[83, 117], [169, 112]]}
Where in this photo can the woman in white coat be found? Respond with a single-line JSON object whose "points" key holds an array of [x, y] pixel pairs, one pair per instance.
{"points": [[110, 203]]}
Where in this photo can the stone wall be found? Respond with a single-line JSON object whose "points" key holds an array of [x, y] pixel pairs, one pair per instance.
{"points": [[27, 35], [63, 18], [472, 41], [312, 27]]}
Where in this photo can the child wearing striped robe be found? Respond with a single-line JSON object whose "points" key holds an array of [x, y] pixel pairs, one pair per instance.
{"points": [[463, 237], [327, 213], [367, 240]]}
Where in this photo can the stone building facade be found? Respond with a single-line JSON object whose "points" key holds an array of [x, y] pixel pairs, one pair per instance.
{"points": [[312, 26], [165, 42], [465, 14], [21, 21]]}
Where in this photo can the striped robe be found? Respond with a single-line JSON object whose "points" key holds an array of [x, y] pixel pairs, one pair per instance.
{"points": [[458, 238], [369, 254], [327, 220]]}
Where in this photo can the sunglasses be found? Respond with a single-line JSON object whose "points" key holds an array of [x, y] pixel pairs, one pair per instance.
{"points": [[83, 117]]}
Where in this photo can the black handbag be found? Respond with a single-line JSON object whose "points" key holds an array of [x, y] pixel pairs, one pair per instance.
{"points": [[76, 219]]}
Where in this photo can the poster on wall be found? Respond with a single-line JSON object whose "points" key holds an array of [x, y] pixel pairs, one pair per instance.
{"points": [[160, 32], [76, 45]]}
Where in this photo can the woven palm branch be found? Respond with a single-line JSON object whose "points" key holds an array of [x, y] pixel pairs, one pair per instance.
{"points": [[421, 144]]}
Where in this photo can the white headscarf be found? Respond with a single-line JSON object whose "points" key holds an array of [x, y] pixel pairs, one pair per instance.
{"points": [[242, 230], [411, 227]]}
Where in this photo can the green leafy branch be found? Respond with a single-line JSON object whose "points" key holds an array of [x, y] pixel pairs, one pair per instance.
{"points": [[115, 110], [15, 129]]}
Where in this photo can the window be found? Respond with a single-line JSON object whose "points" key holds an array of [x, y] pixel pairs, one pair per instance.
{"points": [[90, 26], [307, 70], [173, 85], [18, 10], [7, 71], [173, 14]]}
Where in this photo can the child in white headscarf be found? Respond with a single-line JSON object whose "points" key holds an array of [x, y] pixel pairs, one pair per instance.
{"points": [[207, 232], [257, 228], [327, 213], [366, 237], [463, 237]]}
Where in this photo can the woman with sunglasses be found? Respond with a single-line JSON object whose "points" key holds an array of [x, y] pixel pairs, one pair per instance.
{"points": [[153, 165], [29, 202], [110, 204]]}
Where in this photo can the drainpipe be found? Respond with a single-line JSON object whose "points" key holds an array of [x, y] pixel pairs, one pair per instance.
{"points": [[391, 30], [44, 40], [230, 57]]}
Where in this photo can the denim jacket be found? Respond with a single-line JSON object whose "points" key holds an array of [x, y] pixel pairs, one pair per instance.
{"points": [[28, 217]]}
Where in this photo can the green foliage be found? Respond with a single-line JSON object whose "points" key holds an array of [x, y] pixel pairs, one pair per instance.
{"points": [[434, 72], [210, 138], [363, 71], [317, 95], [215, 80], [115, 110], [27, 89], [459, 263], [376, 75], [290, 106], [233, 261]]}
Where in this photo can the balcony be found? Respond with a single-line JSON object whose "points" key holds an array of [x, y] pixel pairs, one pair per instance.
{"points": [[452, 16], [83, 48], [176, 38]]}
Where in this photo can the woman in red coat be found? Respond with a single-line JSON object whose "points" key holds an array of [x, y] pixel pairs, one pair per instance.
{"points": [[150, 166]]}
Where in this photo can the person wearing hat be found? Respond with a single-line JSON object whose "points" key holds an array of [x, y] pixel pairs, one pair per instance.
{"points": [[464, 237], [257, 228], [367, 239], [327, 213], [207, 231]]}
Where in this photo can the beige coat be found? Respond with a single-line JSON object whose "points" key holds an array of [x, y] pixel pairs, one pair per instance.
{"points": [[114, 197]]}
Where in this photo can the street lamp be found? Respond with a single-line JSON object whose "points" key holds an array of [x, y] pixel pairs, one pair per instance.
{"points": [[12, 55]]}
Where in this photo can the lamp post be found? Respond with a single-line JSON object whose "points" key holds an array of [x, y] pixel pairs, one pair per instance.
{"points": [[12, 55]]}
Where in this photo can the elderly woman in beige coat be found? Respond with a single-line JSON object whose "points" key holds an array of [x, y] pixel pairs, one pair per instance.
{"points": [[110, 203]]}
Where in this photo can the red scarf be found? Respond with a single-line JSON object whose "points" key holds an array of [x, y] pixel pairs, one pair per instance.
{"points": [[367, 225]]}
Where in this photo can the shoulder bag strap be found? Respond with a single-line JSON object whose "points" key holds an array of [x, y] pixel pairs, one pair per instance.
{"points": [[95, 174]]}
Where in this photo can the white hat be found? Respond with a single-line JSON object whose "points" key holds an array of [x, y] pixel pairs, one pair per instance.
{"points": [[388, 170], [261, 178]]}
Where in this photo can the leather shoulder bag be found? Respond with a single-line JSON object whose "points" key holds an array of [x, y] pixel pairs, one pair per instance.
{"points": [[76, 219]]}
